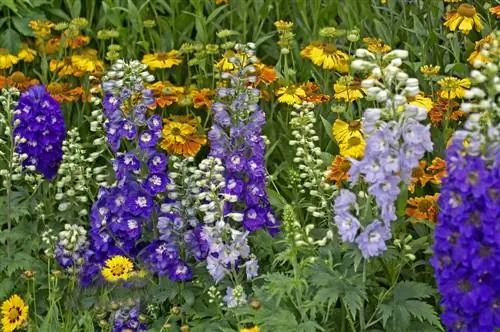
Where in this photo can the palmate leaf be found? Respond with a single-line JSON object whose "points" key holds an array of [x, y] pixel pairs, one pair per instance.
{"points": [[406, 305], [412, 290]]}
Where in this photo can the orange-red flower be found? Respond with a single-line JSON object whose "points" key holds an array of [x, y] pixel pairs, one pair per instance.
{"points": [[18, 80], [165, 93], [180, 135], [444, 108], [202, 98], [423, 208], [418, 176], [63, 92], [495, 10], [76, 41], [312, 95], [265, 74], [436, 171], [338, 171]]}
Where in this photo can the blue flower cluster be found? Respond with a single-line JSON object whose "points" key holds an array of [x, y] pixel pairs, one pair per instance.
{"points": [[128, 320], [467, 241], [122, 211], [39, 131], [235, 138]]}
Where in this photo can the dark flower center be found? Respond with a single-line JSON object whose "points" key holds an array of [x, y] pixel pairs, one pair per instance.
{"points": [[176, 131]]}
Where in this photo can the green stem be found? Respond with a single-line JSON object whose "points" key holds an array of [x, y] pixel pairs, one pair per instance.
{"points": [[362, 326]]}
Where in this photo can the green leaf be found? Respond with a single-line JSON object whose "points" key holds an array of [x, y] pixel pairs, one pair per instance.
{"points": [[9, 4], [328, 127], [10, 40], [412, 290], [76, 8], [422, 311]]}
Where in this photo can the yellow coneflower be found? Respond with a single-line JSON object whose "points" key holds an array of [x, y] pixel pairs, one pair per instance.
{"points": [[117, 268], [430, 70], [349, 137], [348, 89], [7, 60], [465, 19], [14, 313], [26, 54], [329, 57], [495, 10], [290, 94], [162, 60], [453, 87]]}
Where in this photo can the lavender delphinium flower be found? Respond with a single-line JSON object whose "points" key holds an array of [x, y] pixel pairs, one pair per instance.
{"points": [[467, 236], [39, 131], [395, 142], [236, 139]]}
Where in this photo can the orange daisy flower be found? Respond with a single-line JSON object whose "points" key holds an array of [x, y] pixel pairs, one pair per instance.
{"points": [[312, 96], [495, 10], [63, 92], [445, 108], [418, 176], [165, 93], [202, 98], [180, 135], [18, 80], [265, 74], [423, 208], [338, 171], [436, 171]]}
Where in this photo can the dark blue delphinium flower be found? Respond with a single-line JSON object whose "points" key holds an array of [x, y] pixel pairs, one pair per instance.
{"points": [[127, 319], [39, 130], [467, 242]]}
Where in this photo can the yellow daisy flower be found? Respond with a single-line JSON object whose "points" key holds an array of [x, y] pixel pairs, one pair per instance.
{"points": [[476, 54], [348, 89], [7, 60], [87, 61], [453, 87], [430, 70], [306, 51], [26, 54], [180, 136], [422, 101], [162, 59], [117, 268], [283, 25], [14, 313], [376, 45], [251, 329], [41, 29], [465, 19], [349, 137], [290, 94], [329, 57]]}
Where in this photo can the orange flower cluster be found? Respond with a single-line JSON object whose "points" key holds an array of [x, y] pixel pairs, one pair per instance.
{"points": [[338, 171], [424, 174], [423, 208], [445, 109], [17, 80], [181, 135]]}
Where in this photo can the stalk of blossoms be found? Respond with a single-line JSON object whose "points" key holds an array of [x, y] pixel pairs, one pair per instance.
{"points": [[467, 242], [7, 99], [122, 210], [395, 142], [236, 139], [308, 159]]}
